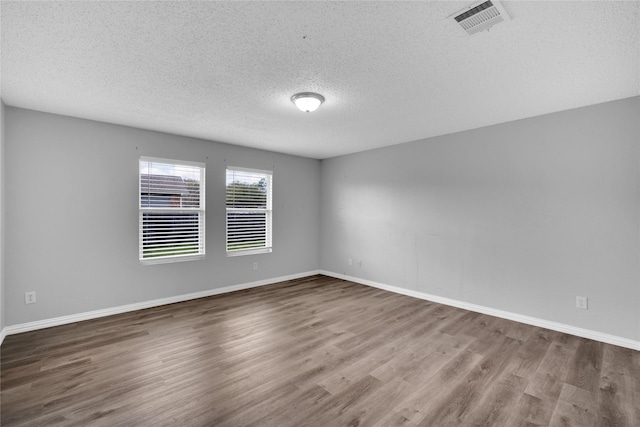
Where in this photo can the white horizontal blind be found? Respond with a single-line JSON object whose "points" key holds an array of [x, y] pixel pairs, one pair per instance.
{"points": [[248, 209], [171, 210]]}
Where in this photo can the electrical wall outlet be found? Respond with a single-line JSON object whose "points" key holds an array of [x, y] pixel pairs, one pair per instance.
{"points": [[30, 297], [350, 261], [255, 265], [359, 264], [582, 303]]}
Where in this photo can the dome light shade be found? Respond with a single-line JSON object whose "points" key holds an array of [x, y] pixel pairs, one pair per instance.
{"points": [[307, 101]]}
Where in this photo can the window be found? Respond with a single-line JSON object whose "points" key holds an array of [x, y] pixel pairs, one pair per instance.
{"points": [[171, 210], [248, 211]]}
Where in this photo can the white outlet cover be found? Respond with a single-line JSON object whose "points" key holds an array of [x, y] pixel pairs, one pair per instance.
{"points": [[30, 297], [582, 303]]}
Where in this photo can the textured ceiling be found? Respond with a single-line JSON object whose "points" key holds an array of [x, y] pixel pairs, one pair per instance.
{"points": [[391, 72]]}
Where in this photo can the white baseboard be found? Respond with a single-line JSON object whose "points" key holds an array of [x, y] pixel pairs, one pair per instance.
{"points": [[555, 326], [560, 327], [63, 320]]}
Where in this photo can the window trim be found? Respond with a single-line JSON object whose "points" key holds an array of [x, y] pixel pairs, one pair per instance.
{"points": [[201, 210], [268, 210]]}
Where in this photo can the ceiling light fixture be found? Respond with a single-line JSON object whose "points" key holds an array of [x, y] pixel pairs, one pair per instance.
{"points": [[307, 101]]}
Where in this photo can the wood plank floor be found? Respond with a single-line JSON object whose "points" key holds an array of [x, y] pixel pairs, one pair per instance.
{"points": [[317, 352]]}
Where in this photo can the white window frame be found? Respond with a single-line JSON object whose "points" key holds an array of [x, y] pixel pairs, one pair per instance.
{"points": [[172, 210], [268, 248]]}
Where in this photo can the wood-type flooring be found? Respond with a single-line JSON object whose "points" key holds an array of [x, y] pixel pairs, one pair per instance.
{"points": [[316, 351]]}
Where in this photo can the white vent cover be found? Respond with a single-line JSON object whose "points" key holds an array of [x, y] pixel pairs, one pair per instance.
{"points": [[480, 16]]}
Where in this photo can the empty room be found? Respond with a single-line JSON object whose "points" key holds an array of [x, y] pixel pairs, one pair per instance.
{"points": [[320, 213]]}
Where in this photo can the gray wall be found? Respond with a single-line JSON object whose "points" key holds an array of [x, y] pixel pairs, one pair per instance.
{"points": [[71, 210], [2, 205], [522, 216]]}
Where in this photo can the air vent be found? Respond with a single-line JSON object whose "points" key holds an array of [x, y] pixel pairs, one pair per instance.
{"points": [[480, 16]]}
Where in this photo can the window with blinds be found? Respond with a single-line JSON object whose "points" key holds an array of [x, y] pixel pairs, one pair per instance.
{"points": [[171, 209], [248, 211]]}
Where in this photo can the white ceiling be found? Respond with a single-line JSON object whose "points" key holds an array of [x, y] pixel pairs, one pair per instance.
{"points": [[391, 72]]}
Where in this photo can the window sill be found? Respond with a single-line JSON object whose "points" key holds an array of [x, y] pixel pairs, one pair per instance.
{"points": [[167, 260], [249, 252]]}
